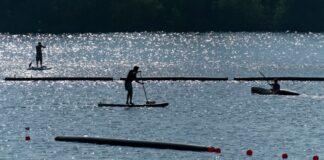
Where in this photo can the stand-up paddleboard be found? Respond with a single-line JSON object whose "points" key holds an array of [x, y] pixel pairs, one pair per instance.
{"points": [[39, 68], [264, 91], [101, 104]]}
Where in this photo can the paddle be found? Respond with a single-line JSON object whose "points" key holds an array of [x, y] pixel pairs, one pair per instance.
{"points": [[264, 77], [147, 101], [30, 64]]}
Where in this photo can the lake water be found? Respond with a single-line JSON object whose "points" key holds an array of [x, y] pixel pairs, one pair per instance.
{"points": [[221, 114]]}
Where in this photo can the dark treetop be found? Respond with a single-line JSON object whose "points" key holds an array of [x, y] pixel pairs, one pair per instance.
{"points": [[79, 16]]}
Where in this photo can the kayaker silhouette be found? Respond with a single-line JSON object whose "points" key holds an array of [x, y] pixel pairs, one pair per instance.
{"points": [[275, 86]]}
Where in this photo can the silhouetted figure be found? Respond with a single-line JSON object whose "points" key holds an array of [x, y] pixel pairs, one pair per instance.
{"points": [[128, 84], [39, 54], [275, 86]]}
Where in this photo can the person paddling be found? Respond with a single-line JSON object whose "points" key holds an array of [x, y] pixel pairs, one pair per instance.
{"points": [[128, 84], [275, 86], [39, 54]]}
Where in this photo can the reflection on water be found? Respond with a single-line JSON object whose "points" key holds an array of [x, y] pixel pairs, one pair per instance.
{"points": [[223, 114], [165, 54]]}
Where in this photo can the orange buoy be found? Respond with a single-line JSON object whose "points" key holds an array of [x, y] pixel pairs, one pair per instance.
{"points": [[316, 157]]}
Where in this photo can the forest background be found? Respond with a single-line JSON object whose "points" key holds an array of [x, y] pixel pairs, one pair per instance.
{"points": [[81, 16]]}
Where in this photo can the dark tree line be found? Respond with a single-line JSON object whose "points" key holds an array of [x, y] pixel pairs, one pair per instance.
{"points": [[59, 16]]}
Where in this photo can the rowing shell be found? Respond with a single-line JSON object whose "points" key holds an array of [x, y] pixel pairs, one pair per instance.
{"points": [[263, 91], [139, 143], [135, 105], [39, 68]]}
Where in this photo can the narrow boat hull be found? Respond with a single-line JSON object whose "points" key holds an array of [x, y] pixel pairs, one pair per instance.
{"points": [[135, 105], [138, 143], [39, 68], [264, 91]]}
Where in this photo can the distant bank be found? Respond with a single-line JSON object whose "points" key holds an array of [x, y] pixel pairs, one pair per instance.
{"points": [[84, 16]]}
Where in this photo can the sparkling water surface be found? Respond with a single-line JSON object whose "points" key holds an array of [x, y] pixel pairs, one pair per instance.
{"points": [[222, 113]]}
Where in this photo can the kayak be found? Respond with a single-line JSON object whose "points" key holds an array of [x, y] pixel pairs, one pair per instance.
{"points": [[134, 105], [264, 91]]}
